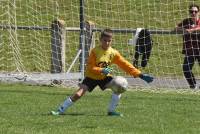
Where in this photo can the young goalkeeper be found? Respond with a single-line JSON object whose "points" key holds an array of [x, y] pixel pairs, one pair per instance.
{"points": [[98, 73]]}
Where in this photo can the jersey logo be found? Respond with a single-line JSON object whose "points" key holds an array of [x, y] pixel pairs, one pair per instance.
{"points": [[103, 64]]}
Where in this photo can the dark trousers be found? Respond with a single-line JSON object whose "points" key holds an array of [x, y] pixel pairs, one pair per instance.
{"points": [[145, 51], [187, 69]]}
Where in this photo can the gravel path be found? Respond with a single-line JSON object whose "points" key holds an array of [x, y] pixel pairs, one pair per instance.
{"points": [[48, 79]]}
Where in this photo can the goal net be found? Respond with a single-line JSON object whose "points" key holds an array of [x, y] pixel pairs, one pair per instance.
{"points": [[39, 41], [27, 39]]}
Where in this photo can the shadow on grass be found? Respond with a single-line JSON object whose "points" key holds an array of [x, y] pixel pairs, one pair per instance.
{"points": [[74, 114]]}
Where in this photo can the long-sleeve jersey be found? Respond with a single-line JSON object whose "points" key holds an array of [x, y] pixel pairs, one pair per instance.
{"points": [[100, 58]]}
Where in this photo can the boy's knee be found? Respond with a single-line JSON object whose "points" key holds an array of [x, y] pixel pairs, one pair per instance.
{"points": [[78, 95]]}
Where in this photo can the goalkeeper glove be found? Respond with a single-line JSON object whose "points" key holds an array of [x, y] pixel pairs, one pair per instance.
{"points": [[146, 78], [106, 70]]}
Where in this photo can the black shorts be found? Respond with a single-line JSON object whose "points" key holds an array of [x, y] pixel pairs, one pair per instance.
{"points": [[91, 83]]}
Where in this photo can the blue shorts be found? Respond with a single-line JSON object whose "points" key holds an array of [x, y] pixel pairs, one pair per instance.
{"points": [[92, 83]]}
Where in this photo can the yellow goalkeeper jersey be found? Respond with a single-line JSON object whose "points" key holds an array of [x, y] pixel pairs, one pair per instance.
{"points": [[100, 58]]}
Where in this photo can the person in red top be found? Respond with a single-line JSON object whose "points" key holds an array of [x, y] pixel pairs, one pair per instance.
{"points": [[98, 73], [191, 43]]}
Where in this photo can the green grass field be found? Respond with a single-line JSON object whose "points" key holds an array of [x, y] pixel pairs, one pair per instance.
{"points": [[25, 110]]}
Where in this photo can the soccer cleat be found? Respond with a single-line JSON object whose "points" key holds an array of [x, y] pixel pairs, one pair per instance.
{"points": [[56, 113], [114, 114]]}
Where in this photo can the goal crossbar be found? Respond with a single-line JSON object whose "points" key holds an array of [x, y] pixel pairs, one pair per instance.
{"points": [[77, 29]]}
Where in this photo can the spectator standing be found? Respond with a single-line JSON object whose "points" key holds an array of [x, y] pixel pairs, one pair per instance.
{"points": [[191, 43]]}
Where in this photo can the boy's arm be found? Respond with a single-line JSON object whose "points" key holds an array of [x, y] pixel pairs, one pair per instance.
{"points": [[125, 65], [130, 69]]}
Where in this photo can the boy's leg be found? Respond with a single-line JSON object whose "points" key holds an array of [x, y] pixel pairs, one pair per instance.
{"points": [[113, 104], [114, 98], [70, 100], [67, 103]]}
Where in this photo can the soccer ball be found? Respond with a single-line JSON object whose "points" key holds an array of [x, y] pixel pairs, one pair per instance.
{"points": [[119, 84]]}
